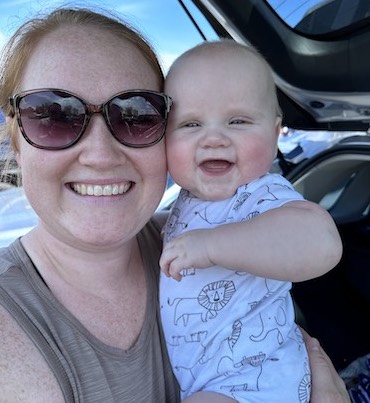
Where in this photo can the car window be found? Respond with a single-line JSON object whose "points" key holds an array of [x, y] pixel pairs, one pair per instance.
{"points": [[318, 17]]}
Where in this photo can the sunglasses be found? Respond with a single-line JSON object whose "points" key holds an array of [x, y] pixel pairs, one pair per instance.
{"points": [[54, 119]]}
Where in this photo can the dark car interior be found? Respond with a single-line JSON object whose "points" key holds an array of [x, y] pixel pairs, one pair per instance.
{"points": [[336, 306], [321, 63]]}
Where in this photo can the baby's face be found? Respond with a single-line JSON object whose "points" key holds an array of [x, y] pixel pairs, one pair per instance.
{"points": [[223, 128]]}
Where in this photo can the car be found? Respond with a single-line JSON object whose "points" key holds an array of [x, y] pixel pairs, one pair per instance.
{"points": [[8, 166], [318, 50], [16, 215]]}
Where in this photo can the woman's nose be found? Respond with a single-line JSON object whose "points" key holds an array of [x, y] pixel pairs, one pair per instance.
{"points": [[98, 146]]}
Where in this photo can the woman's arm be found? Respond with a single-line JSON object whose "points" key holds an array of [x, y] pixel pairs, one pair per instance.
{"points": [[24, 374], [327, 385]]}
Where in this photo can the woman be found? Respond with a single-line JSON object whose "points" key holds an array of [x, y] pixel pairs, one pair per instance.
{"points": [[78, 294], [101, 299]]}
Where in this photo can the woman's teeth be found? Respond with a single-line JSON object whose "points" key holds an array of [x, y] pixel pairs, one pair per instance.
{"points": [[101, 190]]}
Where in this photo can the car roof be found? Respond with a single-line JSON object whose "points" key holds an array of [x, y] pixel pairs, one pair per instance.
{"points": [[322, 70]]}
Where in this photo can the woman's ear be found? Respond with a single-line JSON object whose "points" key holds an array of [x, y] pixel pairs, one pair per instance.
{"points": [[18, 158], [10, 124]]}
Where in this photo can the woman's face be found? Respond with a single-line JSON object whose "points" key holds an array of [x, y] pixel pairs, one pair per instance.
{"points": [[95, 65]]}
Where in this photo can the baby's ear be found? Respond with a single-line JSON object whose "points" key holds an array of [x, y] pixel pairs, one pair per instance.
{"points": [[277, 133], [277, 126]]}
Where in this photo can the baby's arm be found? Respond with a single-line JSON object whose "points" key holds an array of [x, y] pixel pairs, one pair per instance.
{"points": [[295, 242]]}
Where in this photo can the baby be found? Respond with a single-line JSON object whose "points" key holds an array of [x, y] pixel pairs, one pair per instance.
{"points": [[237, 235]]}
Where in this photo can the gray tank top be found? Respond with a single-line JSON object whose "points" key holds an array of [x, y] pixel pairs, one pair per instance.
{"points": [[88, 370]]}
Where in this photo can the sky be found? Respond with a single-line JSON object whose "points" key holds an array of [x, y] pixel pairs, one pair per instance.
{"points": [[292, 11], [163, 22]]}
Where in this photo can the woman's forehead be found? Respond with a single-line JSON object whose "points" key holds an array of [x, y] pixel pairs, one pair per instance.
{"points": [[85, 59], [73, 42]]}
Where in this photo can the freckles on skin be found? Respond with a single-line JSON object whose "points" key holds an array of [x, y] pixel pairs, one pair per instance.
{"points": [[99, 222], [109, 64], [153, 175], [88, 221], [33, 163]]}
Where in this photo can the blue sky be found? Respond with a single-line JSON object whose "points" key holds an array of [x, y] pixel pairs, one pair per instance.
{"points": [[292, 11], [163, 22]]}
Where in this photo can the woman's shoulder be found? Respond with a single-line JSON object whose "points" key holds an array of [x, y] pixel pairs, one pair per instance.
{"points": [[8, 256], [27, 376]]}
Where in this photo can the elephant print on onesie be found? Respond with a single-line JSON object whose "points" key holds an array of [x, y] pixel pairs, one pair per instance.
{"points": [[228, 329]]}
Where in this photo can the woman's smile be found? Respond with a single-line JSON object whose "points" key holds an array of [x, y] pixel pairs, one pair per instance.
{"points": [[86, 189]]}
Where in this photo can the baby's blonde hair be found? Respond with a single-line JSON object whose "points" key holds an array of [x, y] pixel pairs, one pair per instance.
{"points": [[229, 44]]}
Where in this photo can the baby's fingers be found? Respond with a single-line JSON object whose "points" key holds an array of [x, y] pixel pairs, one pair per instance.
{"points": [[169, 265], [175, 274], [164, 263]]}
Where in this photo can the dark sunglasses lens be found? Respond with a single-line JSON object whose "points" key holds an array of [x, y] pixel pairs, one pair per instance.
{"points": [[137, 119], [51, 119]]}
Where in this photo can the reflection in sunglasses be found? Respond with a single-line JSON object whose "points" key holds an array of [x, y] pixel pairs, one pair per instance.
{"points": [[56, 119]]}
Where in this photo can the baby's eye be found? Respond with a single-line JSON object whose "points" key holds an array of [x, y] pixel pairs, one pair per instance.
{"points": [[239, 121], [190, 124]]}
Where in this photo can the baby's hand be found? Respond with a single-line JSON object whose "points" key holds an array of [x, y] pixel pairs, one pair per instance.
{"points": [[186, 251]]}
